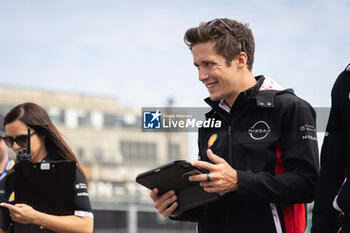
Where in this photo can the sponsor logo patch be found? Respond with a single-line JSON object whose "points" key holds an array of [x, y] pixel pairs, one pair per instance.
{"points": [[212, 139], [80, 186], [259, 130], [12, 197]]}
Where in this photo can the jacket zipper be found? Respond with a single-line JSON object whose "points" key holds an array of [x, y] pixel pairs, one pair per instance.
{"points": [[228, 122], [230, 145]]}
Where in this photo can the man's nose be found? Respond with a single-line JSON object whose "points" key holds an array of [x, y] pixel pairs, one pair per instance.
{"points": [[202, 74]]}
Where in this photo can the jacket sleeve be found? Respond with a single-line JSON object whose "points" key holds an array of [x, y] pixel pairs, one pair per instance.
{"points": [[296, 170], [333, 161], [6, 187]]}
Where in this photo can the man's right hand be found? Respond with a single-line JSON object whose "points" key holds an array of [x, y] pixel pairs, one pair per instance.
{"points": [[165, 204]]}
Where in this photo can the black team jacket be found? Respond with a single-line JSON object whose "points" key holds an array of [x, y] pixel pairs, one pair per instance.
{"points": [[331, 211], [269, 137]]}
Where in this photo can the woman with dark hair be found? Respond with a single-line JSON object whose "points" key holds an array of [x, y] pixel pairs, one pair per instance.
{"points": [[46, 144]]}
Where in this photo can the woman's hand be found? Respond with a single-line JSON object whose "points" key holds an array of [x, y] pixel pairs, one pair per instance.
{"points": [[22, 213]]}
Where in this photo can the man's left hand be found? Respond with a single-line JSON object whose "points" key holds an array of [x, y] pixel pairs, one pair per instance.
{"points": [[223, 178]]}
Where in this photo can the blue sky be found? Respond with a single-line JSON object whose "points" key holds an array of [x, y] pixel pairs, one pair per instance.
{"points": [[134, 50]]}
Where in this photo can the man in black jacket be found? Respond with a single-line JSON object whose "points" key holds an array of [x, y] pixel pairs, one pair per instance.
{"points": [[263, 161], [332, 205]]}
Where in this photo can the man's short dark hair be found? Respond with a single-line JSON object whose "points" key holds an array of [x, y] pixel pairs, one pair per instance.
{"points": [[231, 38]]}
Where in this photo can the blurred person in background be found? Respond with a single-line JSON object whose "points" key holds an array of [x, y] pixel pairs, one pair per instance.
{"points": [[331, 211], [6, 163], [47, 144]]}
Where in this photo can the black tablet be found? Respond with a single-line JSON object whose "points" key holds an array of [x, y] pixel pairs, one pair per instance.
{"points": [[174, 176]]}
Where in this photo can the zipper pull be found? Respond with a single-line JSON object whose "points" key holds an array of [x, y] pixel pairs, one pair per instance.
{"points": [[229, 130]]}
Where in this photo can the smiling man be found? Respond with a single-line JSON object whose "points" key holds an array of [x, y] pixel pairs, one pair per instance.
{"points": [[263, 161]]}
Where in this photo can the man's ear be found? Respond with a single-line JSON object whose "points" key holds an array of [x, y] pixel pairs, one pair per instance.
{"points": [[242, 60]]}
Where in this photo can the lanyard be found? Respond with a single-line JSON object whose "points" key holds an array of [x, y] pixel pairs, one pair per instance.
{"points": [[3, 173]]}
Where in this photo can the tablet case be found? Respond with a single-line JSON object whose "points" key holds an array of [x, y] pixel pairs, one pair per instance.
{"points": [[45, 186], [174, 176]]}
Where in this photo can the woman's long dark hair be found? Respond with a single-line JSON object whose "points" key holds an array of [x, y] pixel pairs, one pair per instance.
{"points": [[37, 118]]}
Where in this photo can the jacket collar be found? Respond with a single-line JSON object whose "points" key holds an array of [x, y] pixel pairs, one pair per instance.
{"points": [[264, 92]]}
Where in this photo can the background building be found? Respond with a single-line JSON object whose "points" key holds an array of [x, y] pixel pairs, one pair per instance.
{"points": [[109, 144]]}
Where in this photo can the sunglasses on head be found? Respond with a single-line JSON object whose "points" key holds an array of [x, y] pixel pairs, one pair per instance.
{"points": [[214, 22], [21, 140]]}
